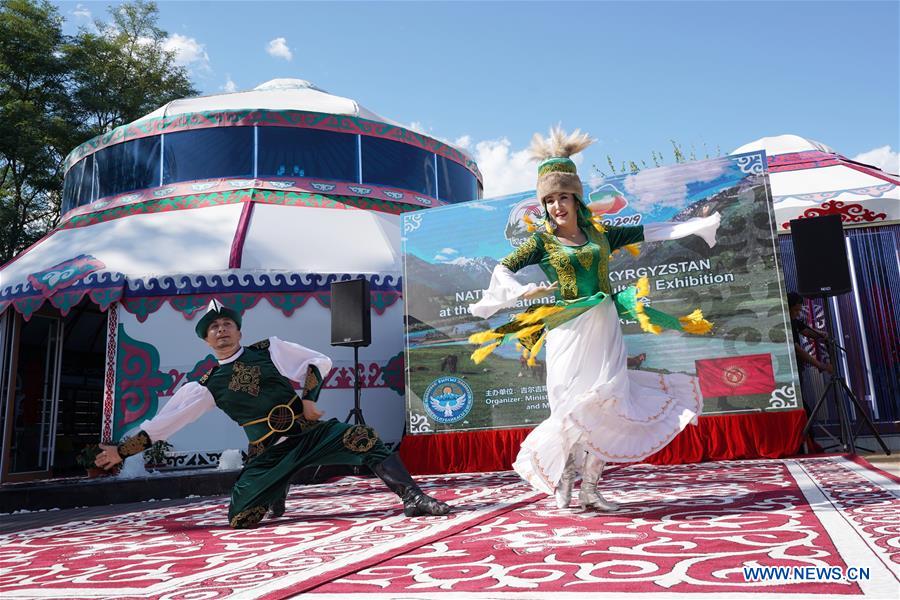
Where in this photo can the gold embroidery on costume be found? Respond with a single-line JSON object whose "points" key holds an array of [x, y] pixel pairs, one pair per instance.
{"points": [[522, 256], [311, 382], [559, 260], [585, 256], [203, 380], [261, 345], [245, 379], [134, 445], [359, 438], [248, 518], [603, 264]]}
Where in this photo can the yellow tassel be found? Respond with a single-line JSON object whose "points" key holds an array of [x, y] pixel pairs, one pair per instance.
{"points": [[701, 328], [647, 326], [529, 224], [695, 323], [484, 336], [548, 226], [643, 287], [482, 353], [535, 349], [538, 314], [634, 249], [598, 224], [527, 331], [519, 347]]}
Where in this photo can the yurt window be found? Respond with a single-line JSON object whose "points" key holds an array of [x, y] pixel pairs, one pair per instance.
{"points": [[72, 185], [208, 154], [396, 164], [129, 166], [456, 183], [77, 188], [297, 152]]}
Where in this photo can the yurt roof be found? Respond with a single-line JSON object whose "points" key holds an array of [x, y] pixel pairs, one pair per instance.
{"points": [[215, 250], [276, 94], [810, 179]]}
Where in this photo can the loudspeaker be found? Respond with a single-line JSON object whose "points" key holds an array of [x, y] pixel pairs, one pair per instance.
{"points": [[820, 254], [351, 319]]}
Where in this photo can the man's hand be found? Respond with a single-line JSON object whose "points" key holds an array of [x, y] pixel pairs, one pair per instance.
{"points": [[826, 368], [310, 411], [108, 458], [541, 291]]}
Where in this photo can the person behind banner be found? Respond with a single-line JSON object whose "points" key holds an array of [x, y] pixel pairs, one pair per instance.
{"points": [[799, 327], [600, 412], [252, 385]]}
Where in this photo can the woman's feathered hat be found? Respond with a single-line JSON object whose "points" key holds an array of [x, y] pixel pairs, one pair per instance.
{"points": [[556, 170]]}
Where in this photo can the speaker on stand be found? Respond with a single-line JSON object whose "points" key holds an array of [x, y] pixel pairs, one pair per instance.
{"points": [[820, 255], [351, 325]]}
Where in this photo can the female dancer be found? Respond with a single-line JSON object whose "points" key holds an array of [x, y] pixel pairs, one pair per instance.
{"points": [[599, 411]]}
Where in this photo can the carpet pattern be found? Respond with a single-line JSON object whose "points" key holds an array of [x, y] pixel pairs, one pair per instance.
{"points": [[683, 530]]}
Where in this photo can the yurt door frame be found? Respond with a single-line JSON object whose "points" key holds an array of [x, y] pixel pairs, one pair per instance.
{"points": [[18, 446]]}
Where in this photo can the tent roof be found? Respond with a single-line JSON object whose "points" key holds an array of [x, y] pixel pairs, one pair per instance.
{"points": [[276, 94], [810, 179], [239, 247], [783, 144]]}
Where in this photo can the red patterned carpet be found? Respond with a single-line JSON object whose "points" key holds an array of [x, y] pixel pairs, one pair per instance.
{"points": [[683, 531]]}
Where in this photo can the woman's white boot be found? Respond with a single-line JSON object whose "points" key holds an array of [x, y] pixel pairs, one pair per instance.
{"points": [[563, 493], [589, 497]]}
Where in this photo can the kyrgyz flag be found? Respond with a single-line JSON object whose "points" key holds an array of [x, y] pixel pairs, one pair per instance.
{"points": [[736, 375]]}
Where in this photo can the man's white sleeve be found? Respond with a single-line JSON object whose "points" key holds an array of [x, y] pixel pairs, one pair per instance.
{"points": [[293, 360], [186, 406]]}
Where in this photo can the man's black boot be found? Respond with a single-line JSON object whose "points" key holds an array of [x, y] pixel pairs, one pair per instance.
{"points": [[393, 473], [276, 509]]}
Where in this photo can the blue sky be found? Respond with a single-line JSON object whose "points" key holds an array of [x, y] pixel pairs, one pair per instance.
{"points": [[634, 74]]}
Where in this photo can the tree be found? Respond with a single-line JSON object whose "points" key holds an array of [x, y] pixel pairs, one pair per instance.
{"points": [[56, 92], [34, 118], [123, 71]]}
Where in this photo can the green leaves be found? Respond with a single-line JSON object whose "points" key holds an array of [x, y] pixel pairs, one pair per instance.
{"points": [[57, 91]]}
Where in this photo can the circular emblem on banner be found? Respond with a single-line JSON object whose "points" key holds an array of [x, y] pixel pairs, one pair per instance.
{"points": [[734, 376], [448, 399], [516, 231]]}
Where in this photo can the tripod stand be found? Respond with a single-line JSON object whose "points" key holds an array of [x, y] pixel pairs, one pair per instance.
{"points": [[839, 389], [356, 412]]}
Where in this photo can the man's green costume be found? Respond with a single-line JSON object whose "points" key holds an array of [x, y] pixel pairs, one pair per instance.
{"points": [[253, 389]]}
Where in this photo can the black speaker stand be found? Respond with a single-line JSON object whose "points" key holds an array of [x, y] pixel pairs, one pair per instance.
{"points": [[839, 389], [356, 412]]}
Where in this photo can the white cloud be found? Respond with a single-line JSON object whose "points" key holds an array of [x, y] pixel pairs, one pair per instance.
{"points": [[279, 49], [505, 169], [667, 186], [884, 158], [188, 51], [229, 85], [418, 127], [82, 12], [449, 251]]}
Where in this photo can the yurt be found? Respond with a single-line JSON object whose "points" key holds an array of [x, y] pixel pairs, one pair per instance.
{"points": [[258, 198], [809, 179]]}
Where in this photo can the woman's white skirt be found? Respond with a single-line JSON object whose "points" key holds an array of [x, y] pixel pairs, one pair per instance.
{"points": [[599, 406]]}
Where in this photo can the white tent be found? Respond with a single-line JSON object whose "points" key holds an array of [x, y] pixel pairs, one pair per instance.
{"points": [[809, 179]]}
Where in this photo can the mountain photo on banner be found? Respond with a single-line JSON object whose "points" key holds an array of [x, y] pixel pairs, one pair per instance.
{"points": [[450, 252]]}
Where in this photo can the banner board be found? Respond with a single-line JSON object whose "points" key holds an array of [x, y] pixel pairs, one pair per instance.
{"points": [[745, 364]]}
